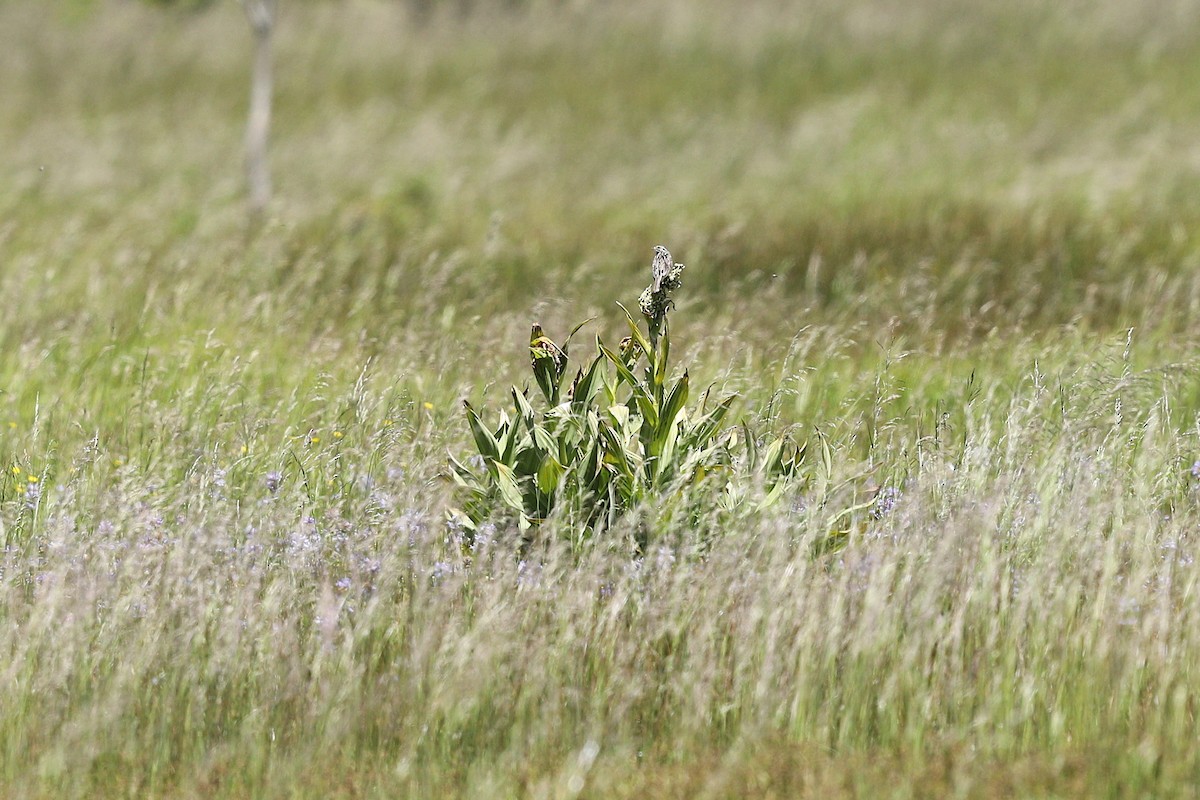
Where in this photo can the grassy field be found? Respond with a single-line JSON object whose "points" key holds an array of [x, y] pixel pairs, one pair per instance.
{"points": [[959, 242]]}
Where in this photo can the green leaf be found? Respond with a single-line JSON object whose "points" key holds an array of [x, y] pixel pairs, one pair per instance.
{"points": [[545, 380], [661, 355], [772, 455], [826, 456], [659, 441], [664, 465], [584, 387], [527, 459], [784, 464], [614, 450], [826, 472], [620, 415], [591, 462], [462, 519], [834, 519], [751, 444], [704, 430], [510, 491], [524, 411], [506, 438], [674, 404], [638, 336], [549, 361], [773, 496], [644, 402], [545, 442], [549, 475], [623, 372], [574, 331], [462, 475], [489, 448]]}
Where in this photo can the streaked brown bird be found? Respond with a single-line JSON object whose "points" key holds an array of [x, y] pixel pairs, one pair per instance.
{"points": [[661, 267]]}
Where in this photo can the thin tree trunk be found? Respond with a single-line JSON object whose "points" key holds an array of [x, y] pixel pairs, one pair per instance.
{"points": [[261, 14]]}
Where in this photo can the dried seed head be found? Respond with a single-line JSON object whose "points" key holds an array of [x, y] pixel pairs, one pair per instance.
{"points": [[542, 348], [627, 348]]}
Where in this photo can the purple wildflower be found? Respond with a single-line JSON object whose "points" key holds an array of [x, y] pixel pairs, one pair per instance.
{"points": [[33, 493], [885, 502], [441, 570]]}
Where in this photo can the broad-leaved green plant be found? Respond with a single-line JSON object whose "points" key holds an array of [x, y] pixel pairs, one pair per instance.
{"points": [[620, 432]]}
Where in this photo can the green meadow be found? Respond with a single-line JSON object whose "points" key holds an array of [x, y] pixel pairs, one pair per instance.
{"points": [[950, 247]]}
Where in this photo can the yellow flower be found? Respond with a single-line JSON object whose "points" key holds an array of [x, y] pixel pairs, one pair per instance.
{"points": [[16, 470], [245, 449], [12, 424], [387, 422], [33, 478], [428, 406], [337, 434], [314, 439]]}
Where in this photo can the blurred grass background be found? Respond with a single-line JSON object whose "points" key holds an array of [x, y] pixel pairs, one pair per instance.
{"points": [[912, 173], [961, 167], [926, 228]]}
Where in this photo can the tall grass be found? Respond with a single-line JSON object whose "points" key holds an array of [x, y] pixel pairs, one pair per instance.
{"points": [[1028, 592], [919, 232]]}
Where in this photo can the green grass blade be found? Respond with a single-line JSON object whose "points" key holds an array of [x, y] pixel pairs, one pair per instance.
{"points": [[704, 430]]}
